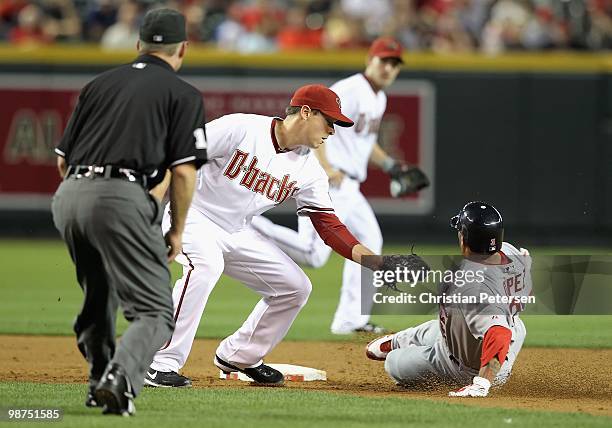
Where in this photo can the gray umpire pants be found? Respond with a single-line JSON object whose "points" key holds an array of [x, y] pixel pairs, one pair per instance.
{"points": [[113, 233]]}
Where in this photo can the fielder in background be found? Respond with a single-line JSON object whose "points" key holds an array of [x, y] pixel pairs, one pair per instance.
{"points": [[469, 344], [345, 161], [130, 125], [255, 163]]}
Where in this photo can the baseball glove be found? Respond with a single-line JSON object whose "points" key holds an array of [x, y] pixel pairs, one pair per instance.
{"points": [[406, 180], [400, 265]]}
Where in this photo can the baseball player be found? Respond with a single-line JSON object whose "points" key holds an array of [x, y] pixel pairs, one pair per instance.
{"points": [[255, 163], [345, 163], [470, 344]]}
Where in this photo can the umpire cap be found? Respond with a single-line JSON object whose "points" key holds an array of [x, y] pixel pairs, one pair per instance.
{"points": [[163, 26], [482, 227]]}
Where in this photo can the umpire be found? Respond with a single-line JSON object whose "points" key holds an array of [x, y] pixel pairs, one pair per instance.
{"points": [[130, 125]]}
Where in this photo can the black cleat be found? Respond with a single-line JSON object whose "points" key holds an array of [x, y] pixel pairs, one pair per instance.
{"points": [[156, 379], [90, 400], [261, 374], [114, 392]]}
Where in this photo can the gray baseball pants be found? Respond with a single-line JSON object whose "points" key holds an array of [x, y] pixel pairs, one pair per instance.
{"points": [[113, 233], [421, 355]]}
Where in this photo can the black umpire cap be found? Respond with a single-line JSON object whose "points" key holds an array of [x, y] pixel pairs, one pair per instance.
{"points": [[163, 26]]}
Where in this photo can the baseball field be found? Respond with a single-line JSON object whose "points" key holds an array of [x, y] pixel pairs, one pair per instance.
{"points": [[561, 378]]}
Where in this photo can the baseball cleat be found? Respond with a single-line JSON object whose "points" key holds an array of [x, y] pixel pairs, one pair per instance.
{"points": [[379, 348], [157, 379], [261, 374], [90, 400], [114, 393], [371, 328]]}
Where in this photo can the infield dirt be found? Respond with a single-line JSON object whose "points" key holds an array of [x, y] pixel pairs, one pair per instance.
{"points": [[554, 379]]}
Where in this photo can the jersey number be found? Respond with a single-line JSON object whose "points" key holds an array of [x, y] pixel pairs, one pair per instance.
{"points": [[200, 139]]}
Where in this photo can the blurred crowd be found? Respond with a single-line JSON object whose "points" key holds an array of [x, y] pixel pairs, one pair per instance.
{"points": [[490, 26]]}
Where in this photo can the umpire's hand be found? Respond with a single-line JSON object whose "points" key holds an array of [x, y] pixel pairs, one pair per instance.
{"points": [[182, 183], [173, 241]]}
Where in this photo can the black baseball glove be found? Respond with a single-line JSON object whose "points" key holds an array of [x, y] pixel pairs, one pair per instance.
{"points": [[406, 180], [401, 265]]}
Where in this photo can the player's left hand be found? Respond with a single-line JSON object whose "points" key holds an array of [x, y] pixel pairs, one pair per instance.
{"points": [[479, 388]]}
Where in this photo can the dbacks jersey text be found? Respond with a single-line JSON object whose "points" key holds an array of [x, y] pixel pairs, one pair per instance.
{"points": [[248, 173]]}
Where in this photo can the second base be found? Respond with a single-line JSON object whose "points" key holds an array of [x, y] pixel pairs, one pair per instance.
{"points": [[291, 372]]}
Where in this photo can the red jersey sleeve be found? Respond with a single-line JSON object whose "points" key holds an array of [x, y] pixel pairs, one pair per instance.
{"points": [[334, 233], [496, 343]]}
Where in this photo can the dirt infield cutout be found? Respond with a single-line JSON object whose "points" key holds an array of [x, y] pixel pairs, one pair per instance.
{"points": [[554, 379]]}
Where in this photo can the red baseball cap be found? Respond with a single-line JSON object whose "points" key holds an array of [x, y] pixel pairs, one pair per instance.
{"points": [[320, 97], [386, 47]]}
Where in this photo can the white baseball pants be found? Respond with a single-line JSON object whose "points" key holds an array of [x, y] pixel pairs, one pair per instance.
{"points": [[249, 257], [421, 354], [307, 248]]}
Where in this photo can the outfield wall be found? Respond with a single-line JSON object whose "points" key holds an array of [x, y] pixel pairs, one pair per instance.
{"points": [[529, 133]]}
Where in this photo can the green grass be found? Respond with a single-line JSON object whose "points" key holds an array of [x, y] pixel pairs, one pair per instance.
{"points": [[41, 296], [278, 407]]}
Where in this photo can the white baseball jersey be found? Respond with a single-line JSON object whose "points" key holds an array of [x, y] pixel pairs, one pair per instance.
{"points": [[463, 326], [247, 173], [350, 148]]}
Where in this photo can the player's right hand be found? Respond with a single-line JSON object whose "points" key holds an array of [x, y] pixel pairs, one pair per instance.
{"points": [[335, 177], [173, 241], [479, 388]]}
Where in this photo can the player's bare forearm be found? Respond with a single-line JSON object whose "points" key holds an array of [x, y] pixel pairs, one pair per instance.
{"points": [[361, 250], [61, 166], [490, 370], [159, 191], [182, 184], [480, 384], [381, 159], [378, 155]]}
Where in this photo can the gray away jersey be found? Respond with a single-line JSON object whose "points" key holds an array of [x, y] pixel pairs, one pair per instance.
{"points": [[463, 325]]}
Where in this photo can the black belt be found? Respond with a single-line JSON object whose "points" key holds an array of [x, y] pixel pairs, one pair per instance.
{"points": [[346, 174], [107, 171]]}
